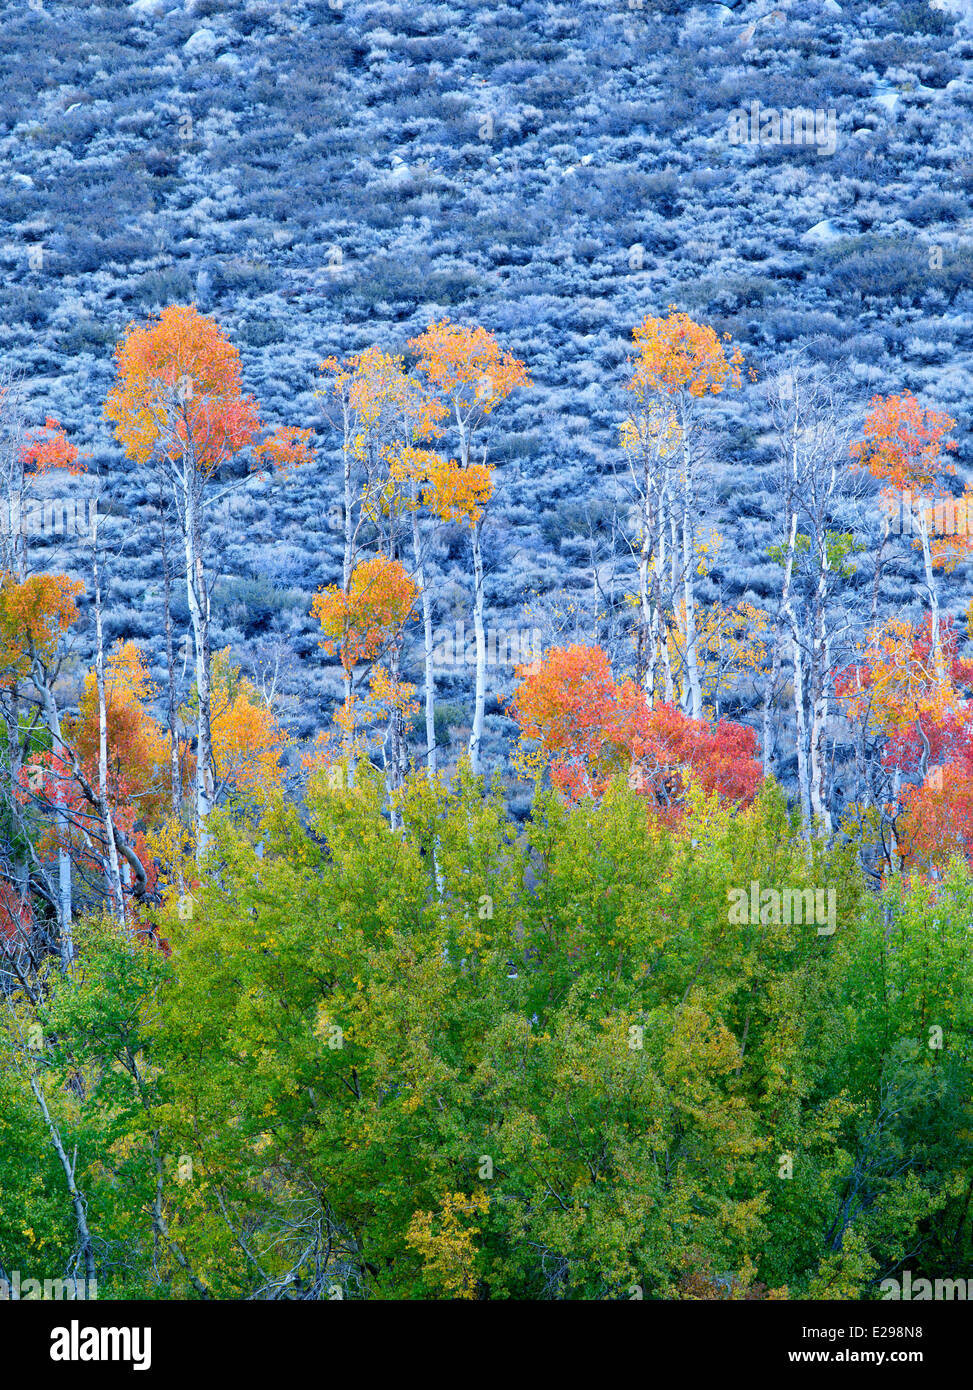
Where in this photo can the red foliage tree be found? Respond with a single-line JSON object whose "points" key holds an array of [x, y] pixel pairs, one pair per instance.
{"points": [[577, 719]]}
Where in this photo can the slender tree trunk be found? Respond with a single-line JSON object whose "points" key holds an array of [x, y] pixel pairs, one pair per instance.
{"points": [[77, 1202], [660, 571], [925, 511], [64, 908], [819, 697], [199, 614], [800, 712], [689, 595], [349, 500], [429, 679], [648, 617], [479, 705], [394, 742], [778, 637], [15, 762], [116, 893], [175, 771]]}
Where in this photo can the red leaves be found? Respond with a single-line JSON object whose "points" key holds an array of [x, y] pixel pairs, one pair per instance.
{"points": [[48, 447], [16, 918], [920, 707], [721, 757], [899, 690], [589, 727], [937, 817]]}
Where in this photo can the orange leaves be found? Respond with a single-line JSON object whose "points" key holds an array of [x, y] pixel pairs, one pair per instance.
{"points": [[467, 366], [457, 494], [48, 447], [449, 492], [919, 704], [247, 741], [408, 464], [380, 598], [138, 750], [181, 363], [286, 447], [899, 684], [570, 706], [676, 354], [178, 390], [903, 443], [373, 384], [34, 615], [589, 727], [386, 693]]}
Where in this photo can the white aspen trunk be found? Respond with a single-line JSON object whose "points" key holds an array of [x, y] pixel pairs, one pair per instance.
{"points": [[14, 764], [660, 570], [675, 550], [64, 900], [349, 504], [800, 713], [819, 699], [924, 515], [479, 703], [429, 679], [175, 772], [77, 1200], [895, 859], [648, 615], [479, 696], [348, 735], [116, 895], [689, 598], [785, 598], [199, 616], [394, 741]]}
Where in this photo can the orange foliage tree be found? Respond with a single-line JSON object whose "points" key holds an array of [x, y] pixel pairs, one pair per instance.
{"points": [[360, 623], [678, 364], [138, 750], [903, 447], [378, 408], [918, 704], [471, 375], [178, 406], [26, 454], [248, 743], [35, 613]]}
